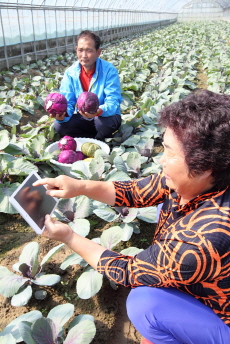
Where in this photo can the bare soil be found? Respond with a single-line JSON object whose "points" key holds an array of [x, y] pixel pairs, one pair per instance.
{"points": [[201, 78]]}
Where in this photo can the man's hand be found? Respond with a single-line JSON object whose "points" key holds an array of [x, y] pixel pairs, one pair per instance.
{"points": [[61, 186], [59, 117], [90, 115]]}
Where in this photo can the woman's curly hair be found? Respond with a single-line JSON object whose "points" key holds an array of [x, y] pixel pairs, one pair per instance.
{"points": [[201, 122]]}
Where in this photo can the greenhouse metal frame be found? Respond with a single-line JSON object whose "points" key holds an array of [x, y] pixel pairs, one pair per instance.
{"points": [[35, 30]]}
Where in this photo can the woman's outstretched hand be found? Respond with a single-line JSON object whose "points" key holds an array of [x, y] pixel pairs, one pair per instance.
{"points": [[61, 186], [67, 187]]}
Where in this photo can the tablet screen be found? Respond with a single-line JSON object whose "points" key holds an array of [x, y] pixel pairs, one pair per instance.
{"points": [[34, 201]]}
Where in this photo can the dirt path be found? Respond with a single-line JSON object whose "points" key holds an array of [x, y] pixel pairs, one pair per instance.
{"points": [[201, 78]]}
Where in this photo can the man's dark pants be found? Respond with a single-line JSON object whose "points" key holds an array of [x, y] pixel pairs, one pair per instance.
{"points": [[99, 128]]}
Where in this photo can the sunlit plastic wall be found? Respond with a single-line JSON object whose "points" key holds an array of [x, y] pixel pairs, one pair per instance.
{"points": [[227, 14], [25, 25], [201, 10], [27, 32]]}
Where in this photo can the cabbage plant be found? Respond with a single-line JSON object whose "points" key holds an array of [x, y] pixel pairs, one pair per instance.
{"points": [[19, 287], [19, 156], [33, 328], [90, 281], [152, 76]]}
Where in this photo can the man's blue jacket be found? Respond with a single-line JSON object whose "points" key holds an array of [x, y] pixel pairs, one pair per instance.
{"points": [[105, 84]]}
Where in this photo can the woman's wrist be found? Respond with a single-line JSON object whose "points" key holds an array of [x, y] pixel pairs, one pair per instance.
{"points": [[69, 238], [80, 187]]}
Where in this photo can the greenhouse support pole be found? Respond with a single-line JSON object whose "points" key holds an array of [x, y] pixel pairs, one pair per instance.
{"points": [[103, 31], [138, 16], [129, 24], [114, 22], [74, 43], [80, 21], [118, 24], [57, 43], [93, 19], [123, 23], [20, 37], [87, 18], [35, 51], [107, 33], [160, 14], [66, 41], [142, 21], [81, 5], [46, 31], [133, 23], [4, 41], [127, 21], [128, 27]]}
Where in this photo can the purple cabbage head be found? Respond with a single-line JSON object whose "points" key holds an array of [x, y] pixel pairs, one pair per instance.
{"points": [[69, 156], [80, 155], [124, 211], [88, 102], [56, 104], [66, 143]]}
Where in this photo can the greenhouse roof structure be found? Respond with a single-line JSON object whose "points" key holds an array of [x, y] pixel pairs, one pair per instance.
{"points": [[173, 6], [34, 29]]}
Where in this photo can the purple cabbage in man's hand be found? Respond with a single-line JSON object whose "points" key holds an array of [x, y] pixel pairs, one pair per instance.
{"points": [[66, 143], [56, 104], [88, 102]]}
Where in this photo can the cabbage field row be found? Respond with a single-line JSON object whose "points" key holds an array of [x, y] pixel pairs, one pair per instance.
{"points": [[155, 69]]}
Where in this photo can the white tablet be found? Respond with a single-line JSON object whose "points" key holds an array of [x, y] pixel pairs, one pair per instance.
{"points": [[33, 203]]}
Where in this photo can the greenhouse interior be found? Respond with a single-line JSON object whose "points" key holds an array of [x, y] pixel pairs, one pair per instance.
{"points": [[32, 30], [136, 58]]}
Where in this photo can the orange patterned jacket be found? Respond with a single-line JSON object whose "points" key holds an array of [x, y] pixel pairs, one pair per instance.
{"points": [[190, 249]]}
